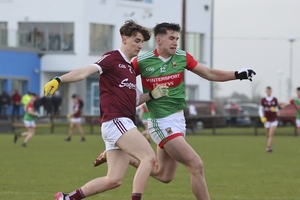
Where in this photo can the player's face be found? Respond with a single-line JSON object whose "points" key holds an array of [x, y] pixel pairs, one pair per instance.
{"points": [[268, 92], [33, 98], [168, 43], [298, 93], [134, 44]]}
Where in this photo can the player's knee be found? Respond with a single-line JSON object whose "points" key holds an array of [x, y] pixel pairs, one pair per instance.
{"points": [[166, 179], [151, 159], [113, 182], [196, 165]]}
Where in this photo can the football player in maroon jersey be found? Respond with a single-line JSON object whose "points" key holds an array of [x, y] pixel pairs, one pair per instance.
{"points": [[75, 119], [119, 97], [268, 115]]}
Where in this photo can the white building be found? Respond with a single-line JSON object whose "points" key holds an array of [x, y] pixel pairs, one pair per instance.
{"points": [[74, 34]]}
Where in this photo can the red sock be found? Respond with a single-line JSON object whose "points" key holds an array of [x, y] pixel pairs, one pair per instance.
{"points": [[76, 195], [136, 196]]}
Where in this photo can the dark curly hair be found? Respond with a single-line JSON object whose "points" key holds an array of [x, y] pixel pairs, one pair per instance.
{"points": [[130, 28]]}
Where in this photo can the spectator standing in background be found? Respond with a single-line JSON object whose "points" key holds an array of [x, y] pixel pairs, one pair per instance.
{"points": [[16, 100], [56, 103], [5, 102], [46, 102], [268, 115]]}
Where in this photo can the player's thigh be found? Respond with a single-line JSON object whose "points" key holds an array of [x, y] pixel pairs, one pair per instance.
{"points": [[72, 124], [121, 133], [167, 164], [113, 129], [117, 163], [135, 144], [31, 130], [182, 152]]}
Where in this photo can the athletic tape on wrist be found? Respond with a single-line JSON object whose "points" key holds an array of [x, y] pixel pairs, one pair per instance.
{"points": [[150, 95], [236, 74], [57, 78]]}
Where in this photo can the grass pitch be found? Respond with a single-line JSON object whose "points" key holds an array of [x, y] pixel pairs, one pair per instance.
{"points": [[236, 168]]}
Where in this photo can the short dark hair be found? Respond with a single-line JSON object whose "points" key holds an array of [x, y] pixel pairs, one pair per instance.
{"points": [[74, 96], [130, 28], [298, 88], [32, 94], [268, 87], [162, 28]]}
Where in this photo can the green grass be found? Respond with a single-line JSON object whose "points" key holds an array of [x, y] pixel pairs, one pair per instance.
{"points": [[236, 168]]}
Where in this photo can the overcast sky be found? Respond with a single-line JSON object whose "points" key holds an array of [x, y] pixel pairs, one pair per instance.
{"points": [[255, 34]]}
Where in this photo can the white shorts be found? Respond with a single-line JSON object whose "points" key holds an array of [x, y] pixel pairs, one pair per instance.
{"points": [[269, 124], [76, 120], [29, 124], [113, 129], [298, 123], [165, 129]]}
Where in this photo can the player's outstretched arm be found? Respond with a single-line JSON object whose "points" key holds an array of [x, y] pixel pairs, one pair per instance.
{"points": [[73, 76], [221, 75]]}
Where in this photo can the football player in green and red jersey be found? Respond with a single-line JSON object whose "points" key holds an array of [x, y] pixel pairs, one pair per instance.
{"points": [[165, 66]]}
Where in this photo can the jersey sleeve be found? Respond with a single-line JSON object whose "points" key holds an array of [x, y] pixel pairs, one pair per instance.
{"points": [[191, 63], [135, 66], [103, 63], [29, 106]]}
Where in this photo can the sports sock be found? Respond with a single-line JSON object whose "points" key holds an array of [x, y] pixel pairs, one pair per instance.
{"points": [[75, 195], [136, 196]]}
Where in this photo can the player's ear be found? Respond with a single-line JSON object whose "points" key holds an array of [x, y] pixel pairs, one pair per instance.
{"points": [[158, 39], [124, 39]]}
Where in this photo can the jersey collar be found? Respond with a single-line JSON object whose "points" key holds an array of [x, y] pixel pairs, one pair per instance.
{"points": [[160, 57], [123, 55]]}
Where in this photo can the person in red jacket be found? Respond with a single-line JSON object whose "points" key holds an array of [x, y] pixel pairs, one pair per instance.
{"points": [[16, 100]]}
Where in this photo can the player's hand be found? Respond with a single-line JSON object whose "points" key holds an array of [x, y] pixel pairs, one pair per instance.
{"points": [[245, 73], [159, 91], [273, 109], [51, 86], [38, 115], [263, 120], [68, 115]]}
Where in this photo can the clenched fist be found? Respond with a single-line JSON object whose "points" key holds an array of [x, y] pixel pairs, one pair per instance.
{"points": [[159, 91]]}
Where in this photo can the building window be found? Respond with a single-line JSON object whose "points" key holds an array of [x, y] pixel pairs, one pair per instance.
{"points": [[194, 45], [150, 44], [101, 38], [191, 92], [3, 34], [54, 37]]}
